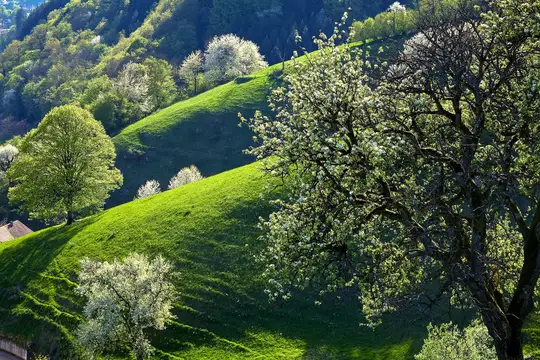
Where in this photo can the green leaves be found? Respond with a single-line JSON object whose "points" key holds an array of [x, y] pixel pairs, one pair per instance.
{"points": [[66, 165], [414, 175]]}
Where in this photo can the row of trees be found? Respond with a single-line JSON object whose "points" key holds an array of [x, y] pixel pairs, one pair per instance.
{"points": [[415, 179], [141, 89], [399, 20], [137, 90]]}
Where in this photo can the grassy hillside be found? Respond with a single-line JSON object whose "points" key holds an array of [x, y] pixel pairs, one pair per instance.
{"points": [[202, 130], [208, 229]]}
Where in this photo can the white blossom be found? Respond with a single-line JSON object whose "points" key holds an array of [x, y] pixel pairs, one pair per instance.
{"points": [[124, 300], [396, 7], [185, 176], [229, 56], [7, 156], [133, 83], [151, 187], [191, 68]]}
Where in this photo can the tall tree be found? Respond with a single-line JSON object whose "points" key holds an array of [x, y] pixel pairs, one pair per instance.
{"points": [[161, 86], [426, 174], [65, 165]]}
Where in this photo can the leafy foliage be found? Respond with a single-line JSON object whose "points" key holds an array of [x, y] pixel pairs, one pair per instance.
{"points": [[414, 175], [65, 166], [448, 342], [125, 299]]}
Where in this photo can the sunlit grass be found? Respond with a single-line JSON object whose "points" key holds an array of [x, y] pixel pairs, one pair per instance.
{"points": [[208, 229]]}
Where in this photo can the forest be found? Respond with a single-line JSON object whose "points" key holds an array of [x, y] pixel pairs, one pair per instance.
{"points": [[63, 50]]}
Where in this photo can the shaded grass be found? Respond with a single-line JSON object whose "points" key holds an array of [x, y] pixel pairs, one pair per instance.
{"points": [[208, 230], [203, 130]]}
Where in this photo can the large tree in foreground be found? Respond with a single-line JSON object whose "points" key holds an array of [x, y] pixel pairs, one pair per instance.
{"points": [[65, 165], [420, 171], [125, 300]]}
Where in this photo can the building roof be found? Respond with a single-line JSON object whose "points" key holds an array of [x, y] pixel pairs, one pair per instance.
{"points": [[13, 230]]}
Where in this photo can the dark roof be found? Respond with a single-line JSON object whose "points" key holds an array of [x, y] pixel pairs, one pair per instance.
{"points": [[13, 230]]}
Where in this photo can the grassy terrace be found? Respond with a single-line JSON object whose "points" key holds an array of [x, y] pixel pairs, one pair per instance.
{"points": [[208, 229]]}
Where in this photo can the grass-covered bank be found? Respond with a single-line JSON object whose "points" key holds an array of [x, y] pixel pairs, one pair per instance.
{"points": [[208, 229], [203, 130]]}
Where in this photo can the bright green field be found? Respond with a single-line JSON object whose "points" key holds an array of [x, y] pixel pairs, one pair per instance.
{"points": [[208, 229], [203, 130]]}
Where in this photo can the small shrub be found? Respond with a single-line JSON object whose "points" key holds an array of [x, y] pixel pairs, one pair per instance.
{"points": [[151, 187], [185, 176], [448, 342]]}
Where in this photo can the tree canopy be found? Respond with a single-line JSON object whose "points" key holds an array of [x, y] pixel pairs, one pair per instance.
{"points": [[125, 299], [65, 166], [415, 174]]}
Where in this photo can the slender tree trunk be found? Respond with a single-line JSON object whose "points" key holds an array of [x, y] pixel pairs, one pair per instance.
{"points": [[69, 217]]}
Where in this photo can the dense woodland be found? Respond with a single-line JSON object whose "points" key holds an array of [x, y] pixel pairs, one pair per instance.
{"points": [[62, 51]]}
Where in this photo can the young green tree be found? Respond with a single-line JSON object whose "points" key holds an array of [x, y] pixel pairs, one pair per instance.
{"points": [[65, 165], [417, 172], [161, 87], [125, 299]]}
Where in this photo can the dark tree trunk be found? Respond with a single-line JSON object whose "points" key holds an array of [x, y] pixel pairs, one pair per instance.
{"points": [[69, 219], [510, 348]]}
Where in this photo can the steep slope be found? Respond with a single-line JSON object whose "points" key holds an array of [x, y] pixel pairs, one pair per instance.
{"points": [[203, 130], [208, 229]]}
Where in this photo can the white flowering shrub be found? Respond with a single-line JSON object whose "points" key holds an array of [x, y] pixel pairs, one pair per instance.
{"points": [[125, 299], [185, 176], [229, 56], [151, 187], [7, 156], [448, 342], [133, 83], [191, 71]]}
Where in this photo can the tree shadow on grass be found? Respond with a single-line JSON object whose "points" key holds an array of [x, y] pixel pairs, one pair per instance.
{"points": [[29, 289], [24, 259], [223, 301]]}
